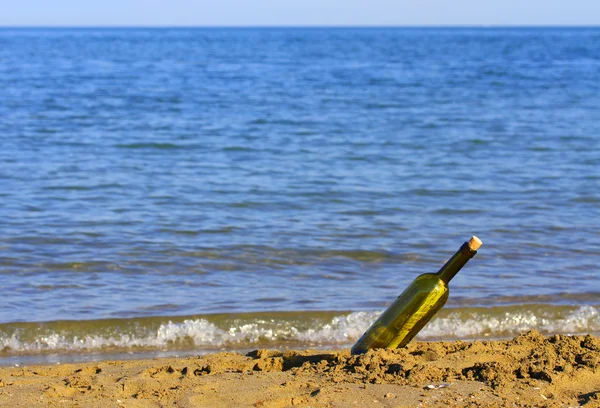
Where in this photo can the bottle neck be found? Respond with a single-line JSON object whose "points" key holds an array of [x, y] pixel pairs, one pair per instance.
{"points": [[454, 264]]}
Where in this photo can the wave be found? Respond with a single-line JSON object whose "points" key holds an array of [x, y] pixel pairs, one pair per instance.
{"points": [[285, 329], [472, 325]]}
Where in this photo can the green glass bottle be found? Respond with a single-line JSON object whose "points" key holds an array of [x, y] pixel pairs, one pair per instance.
{"points": [[400, 322]]}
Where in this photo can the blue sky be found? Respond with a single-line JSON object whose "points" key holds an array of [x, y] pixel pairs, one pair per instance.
{"points": [[297, 12]]}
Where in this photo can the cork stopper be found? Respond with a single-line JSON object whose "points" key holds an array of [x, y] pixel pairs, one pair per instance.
{"points": [[474, 243]]}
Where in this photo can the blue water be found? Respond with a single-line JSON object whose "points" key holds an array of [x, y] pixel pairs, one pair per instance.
{"points": [[175, 172]]}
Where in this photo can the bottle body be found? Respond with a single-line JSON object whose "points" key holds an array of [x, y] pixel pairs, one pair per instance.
{"points": [[400, 322]]}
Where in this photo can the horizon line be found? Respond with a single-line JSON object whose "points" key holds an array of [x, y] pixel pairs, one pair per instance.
{"points": [[309, 26]]}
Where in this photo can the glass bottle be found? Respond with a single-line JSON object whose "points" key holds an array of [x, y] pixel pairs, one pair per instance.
{"points": [[419, 302]]}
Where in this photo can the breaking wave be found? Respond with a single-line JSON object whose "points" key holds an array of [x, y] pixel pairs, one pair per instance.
{"points": [[312, 329]]}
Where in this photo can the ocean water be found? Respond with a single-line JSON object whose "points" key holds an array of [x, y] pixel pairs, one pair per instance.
{"points": [[191, 190]]}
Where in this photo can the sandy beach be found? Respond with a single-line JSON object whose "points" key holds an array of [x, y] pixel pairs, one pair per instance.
{"points": [[530, 370]]}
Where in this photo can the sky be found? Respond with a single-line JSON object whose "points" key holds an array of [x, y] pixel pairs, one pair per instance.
{"points": [[298, 12]]}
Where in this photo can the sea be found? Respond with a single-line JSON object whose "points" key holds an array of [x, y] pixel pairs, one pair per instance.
{"points": [[181, 191]]}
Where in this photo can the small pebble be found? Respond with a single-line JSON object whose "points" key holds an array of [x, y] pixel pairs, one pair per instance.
{"points": [[390, 395], [433, 387]]}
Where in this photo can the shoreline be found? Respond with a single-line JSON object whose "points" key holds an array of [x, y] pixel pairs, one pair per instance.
{"points": [[529, 370], [171, 336]]}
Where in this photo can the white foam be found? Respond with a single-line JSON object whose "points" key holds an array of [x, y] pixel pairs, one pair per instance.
{"points": [[341, 330], [581, 320]]}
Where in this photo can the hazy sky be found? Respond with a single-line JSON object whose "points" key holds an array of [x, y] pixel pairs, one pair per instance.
{"points": [[297, 12]]}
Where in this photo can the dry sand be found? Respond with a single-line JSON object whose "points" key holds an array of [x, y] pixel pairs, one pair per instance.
{"points": [[531, 370]]}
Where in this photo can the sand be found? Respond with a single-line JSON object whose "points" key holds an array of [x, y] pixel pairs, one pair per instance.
{"points": [[530, 370]]}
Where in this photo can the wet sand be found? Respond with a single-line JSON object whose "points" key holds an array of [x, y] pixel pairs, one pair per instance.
{"points": [[530, 370]]}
